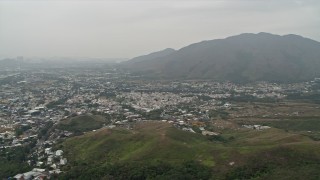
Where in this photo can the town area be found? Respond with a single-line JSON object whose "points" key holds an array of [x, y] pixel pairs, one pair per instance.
{"points": [[37, 104]]}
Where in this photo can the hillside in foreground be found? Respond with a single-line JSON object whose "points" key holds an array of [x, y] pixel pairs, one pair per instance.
{"points": [[156, 150], [243, 58]]}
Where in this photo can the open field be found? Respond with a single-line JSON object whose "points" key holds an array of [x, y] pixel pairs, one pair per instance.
{"points": [[275, 110]]}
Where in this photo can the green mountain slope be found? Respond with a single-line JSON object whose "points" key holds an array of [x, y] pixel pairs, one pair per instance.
{"points": [[150, 56], [241, 58], [157, 150]]}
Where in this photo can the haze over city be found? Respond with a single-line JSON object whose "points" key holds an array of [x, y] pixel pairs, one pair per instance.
{"points": [[125, 29], [160, 89]]}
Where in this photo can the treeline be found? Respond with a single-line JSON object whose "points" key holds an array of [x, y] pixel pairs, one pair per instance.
{"points": [[54, 104], [248, 98], [311, 97], [13, 161]]}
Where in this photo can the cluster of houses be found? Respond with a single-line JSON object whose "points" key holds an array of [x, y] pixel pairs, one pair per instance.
{"points": [[154, 100], [36, 174], [256, 127], [52, 159]]}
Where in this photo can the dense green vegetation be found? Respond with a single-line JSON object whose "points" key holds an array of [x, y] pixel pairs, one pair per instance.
{"points": [[279, 163], [82, 123], [303, 124], [44, 132], [248, 98], [310, 97], [54, 104], [13, 161], [19, 131], [153, 115], [218, 114], [139, 170], [156, 150]]}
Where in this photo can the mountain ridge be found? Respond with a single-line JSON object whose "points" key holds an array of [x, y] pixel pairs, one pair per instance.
{"points": [[241, 58]]}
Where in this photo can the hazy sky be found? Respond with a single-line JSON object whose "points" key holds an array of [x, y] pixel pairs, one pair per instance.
{"points": [[127, 28]]}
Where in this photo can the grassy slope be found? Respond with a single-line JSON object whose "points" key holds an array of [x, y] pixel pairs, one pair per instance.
{"points": [[308, 126], [82, 123], [149, 141], [257, 154]]}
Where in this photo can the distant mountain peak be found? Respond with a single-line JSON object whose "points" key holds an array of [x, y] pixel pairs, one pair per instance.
{"points": [[265, 33], [169, 49]]}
